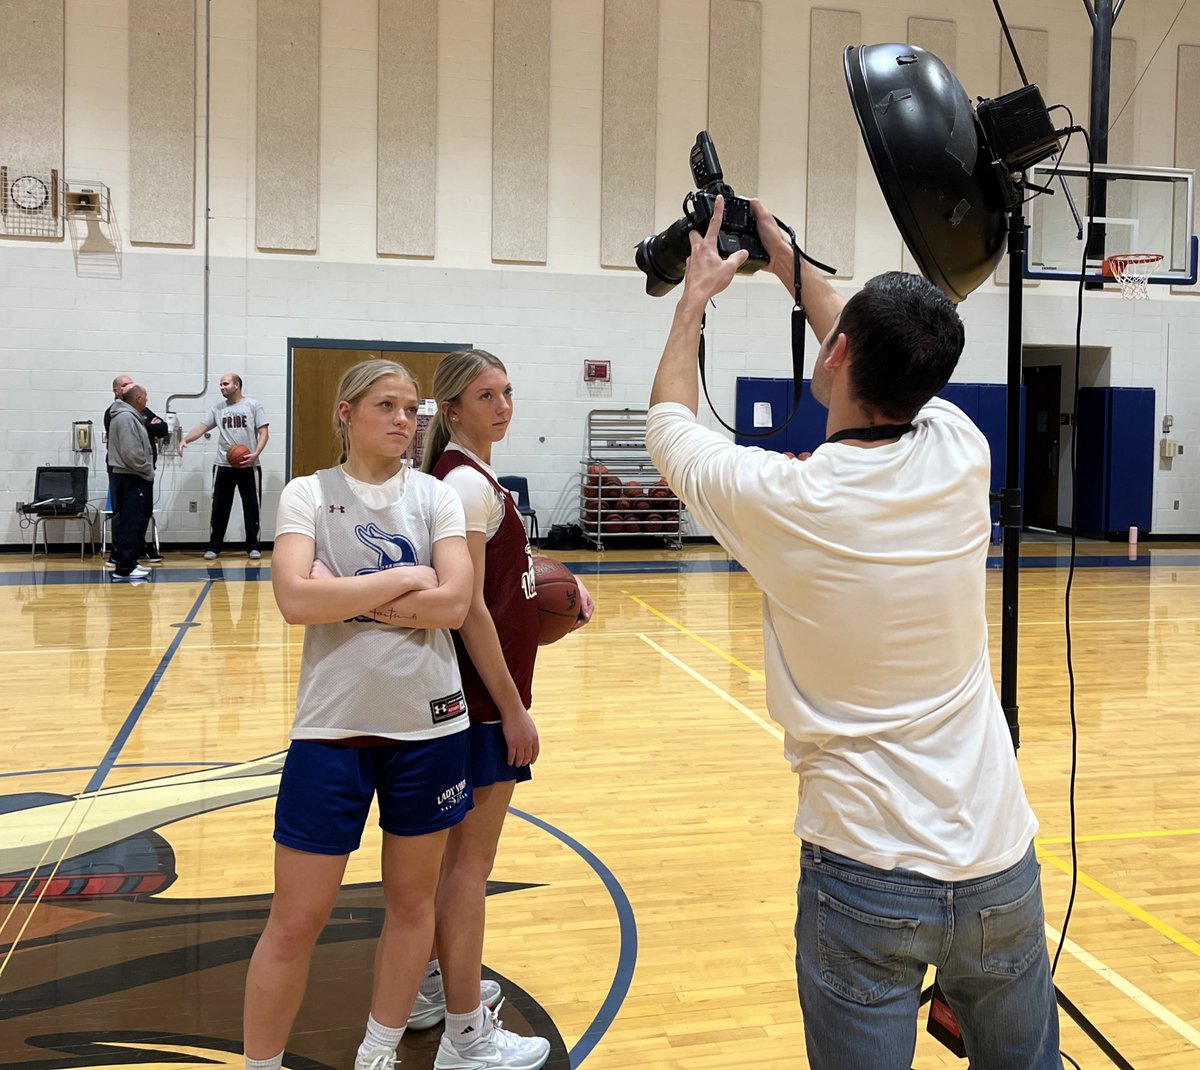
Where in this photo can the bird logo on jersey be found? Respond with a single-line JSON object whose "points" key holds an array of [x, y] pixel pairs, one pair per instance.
{"points": [[393, 550]]}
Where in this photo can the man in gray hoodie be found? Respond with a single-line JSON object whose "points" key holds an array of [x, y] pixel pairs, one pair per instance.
{"points": [[132, 463]]}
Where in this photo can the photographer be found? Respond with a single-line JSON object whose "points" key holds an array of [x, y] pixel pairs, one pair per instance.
{"points": [[917, 839]]}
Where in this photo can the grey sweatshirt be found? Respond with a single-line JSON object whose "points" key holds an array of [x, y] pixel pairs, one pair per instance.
{"points": [[128, 443]]}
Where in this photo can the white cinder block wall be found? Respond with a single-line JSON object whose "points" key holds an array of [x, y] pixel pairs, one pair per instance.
{"points": [[63, 337]]}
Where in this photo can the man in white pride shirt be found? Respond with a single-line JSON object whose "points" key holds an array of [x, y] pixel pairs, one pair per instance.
{"points": [[917, 839]]}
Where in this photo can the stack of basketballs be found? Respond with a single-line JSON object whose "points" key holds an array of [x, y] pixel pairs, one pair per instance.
{"points": [[612, 506]]}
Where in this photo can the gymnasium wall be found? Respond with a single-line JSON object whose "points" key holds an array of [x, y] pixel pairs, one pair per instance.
{"points": [[506, 242]]}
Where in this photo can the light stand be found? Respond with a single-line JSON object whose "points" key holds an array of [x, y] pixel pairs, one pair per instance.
{"points": [[952, 176], [1011, 516]]}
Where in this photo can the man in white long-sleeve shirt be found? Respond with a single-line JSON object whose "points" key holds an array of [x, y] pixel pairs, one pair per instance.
{"points": [[916, 834]]}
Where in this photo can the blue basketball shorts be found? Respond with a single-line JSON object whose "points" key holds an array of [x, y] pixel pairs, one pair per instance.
{"points": [[489, 757], [326, 789]]}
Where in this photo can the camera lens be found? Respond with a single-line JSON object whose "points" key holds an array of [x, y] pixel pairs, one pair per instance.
{"points": [[662, 257]]}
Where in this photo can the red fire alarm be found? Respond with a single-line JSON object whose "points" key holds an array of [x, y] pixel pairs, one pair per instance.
{"points": [[596, 371]]}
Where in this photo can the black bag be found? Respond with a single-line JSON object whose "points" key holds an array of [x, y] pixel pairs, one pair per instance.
{"points": [[564, 537]]}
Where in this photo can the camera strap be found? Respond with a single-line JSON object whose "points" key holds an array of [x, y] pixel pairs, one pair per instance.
{"points": [[799, 331]]}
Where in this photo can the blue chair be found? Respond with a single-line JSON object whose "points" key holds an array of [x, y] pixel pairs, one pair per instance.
{"points": [[519, 486]]}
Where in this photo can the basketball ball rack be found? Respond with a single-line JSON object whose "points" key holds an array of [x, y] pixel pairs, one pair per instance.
{"points": [[622, 494]]}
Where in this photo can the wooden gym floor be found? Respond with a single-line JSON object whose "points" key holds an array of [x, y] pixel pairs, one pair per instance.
{"points": [[642, 903]]}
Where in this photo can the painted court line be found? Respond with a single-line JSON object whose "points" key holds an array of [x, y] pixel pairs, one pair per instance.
{"points": [[698, 638], [1112, 837], [1127, 988], [746, 711], [1131, 908]]}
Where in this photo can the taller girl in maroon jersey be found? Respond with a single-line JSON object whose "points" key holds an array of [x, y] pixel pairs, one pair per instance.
{"points": [[496, 646]]}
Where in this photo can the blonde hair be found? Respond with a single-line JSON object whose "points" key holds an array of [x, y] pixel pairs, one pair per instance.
{"points": [[355, 383], [453, 375]]}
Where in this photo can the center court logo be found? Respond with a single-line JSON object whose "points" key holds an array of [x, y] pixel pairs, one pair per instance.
{"points": [[108, 974]]}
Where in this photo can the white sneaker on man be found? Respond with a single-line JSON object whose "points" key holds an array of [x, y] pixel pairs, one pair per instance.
{"points": [[428, 1011], [211, 555], [376, 1059], [254, 555], [138, 573], [496, 1048]]}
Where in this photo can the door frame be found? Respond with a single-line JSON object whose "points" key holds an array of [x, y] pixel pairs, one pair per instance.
{"points": [[351, 343]]}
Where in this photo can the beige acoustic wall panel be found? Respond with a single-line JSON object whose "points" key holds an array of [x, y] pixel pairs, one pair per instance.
{"points": [[940, 37], [1187, 122], [833, 144], [162, 121], [1033, 46], [287, 183], [407, 122], [629, 128], [31, 90], [520, 130], [735, 89]]}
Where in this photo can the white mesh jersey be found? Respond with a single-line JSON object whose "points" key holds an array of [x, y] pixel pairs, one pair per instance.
{"points": [[362, 678]]}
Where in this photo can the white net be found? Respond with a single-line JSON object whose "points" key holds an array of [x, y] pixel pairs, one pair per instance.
{"points": [[1132, 272]]}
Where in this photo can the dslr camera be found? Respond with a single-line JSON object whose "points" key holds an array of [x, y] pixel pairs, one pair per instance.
{"points": [[662, 257]]}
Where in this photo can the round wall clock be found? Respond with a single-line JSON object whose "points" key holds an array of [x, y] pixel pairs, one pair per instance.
{"points": [[29, 192]]}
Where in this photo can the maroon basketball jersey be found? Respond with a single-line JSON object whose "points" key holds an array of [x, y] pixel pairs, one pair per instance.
{"points": [[508, 592]]}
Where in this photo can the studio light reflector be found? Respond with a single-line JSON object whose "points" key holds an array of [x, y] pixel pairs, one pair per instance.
{"points": [[939, 179]]}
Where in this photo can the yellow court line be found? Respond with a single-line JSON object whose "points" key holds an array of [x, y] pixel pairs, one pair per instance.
{"points": [[698, 638], [701, 679], [1130, 908], [1110, 837]]}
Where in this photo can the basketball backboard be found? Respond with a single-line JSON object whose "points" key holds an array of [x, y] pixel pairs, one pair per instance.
{"points": [[1145, 210]]}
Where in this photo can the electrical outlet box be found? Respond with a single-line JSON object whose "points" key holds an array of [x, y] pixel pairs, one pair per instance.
{"points": [[1168, 448], [193, 506]]}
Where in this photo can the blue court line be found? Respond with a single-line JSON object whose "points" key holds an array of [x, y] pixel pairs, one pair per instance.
{"points": [[262, 574], [116, 765], [122, 736], [103, 578], [627, 957]]}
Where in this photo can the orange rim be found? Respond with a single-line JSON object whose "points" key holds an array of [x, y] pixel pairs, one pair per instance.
{"points": [[1114, 266]]}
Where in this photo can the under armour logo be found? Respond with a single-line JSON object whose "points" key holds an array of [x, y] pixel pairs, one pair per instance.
{"points": [[337, 508]]}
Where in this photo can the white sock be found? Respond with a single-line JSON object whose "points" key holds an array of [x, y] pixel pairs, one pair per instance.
{"points": [[265, 1064], [380, 1036], [431, 983], [462, 1030]]}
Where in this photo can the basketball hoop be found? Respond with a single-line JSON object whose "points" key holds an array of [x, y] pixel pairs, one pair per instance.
{"points": [[1132, 271]]}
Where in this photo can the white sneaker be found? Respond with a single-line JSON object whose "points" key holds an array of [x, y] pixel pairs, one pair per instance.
{"points": [[211, 555], [376, 1059], [110, 564], [427, 1011], [138, 573], [254, 555], [496, 1049]]}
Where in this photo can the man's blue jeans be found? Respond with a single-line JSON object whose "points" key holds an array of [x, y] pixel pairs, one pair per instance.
{"points": [[864, 937]]}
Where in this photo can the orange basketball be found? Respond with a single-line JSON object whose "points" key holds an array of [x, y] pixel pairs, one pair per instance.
{"points": [[557, 599], [236, 455]]}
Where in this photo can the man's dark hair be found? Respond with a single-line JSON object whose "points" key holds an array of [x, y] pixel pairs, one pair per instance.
{"points": [[905, 339]]}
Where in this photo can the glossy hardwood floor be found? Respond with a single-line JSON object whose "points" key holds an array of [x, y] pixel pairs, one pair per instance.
{"points": [[644, 894]]}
